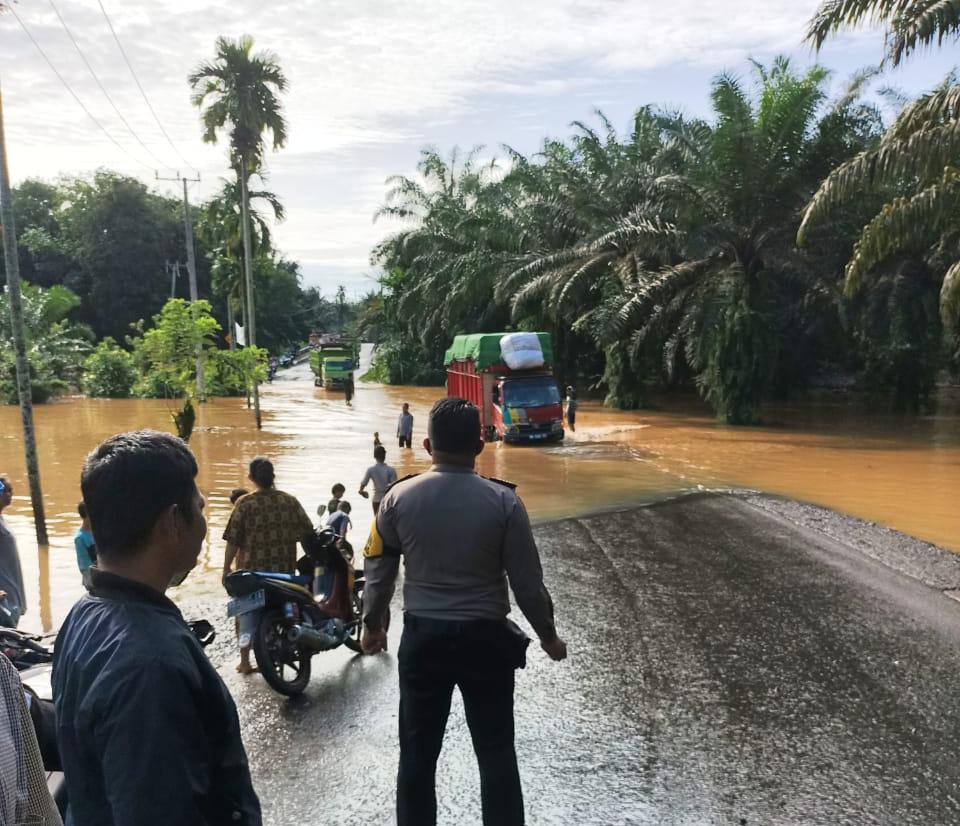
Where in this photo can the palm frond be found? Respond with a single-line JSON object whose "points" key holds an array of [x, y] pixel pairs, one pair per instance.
{"points": [[950, 298], [902, 223]]}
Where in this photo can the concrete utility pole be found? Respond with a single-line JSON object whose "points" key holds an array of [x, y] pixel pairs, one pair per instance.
{"points": [[249, 332], [191, 270], [12, 262]]}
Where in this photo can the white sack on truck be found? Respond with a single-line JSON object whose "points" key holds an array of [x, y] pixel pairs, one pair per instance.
{"points": [[521, 351]]}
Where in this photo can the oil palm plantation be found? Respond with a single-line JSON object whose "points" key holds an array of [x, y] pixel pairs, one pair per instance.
{"points": [[239, 92], [915, 163]]}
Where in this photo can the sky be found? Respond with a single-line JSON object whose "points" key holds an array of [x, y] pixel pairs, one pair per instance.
{"points": [[374, 81]]}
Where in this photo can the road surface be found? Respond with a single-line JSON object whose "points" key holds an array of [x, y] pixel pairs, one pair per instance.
{"points": [[726, 667]]}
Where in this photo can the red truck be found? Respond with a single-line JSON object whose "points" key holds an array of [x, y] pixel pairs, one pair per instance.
{"points": [[517, 404]]}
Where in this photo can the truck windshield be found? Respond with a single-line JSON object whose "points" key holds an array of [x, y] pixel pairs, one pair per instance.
{"points": [[337, 364], [531, 393]]}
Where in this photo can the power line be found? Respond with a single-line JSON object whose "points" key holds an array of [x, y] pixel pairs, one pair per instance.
{"points": [[106, 94], [67, 86], [139, 86]]}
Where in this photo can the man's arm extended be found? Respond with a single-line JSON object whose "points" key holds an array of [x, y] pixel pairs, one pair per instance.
{"points": [[381, 564], [229, 556], [522, 563]]}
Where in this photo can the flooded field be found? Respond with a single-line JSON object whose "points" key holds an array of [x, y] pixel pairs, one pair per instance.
{"points": [[901, 472]]}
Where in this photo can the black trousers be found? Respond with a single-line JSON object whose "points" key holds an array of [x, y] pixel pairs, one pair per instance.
{"points": [[434, 657], [405, 441]]}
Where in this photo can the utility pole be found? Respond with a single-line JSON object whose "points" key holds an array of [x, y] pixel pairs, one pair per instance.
{"points": [[12, 262], [191, 270], [250, 333]]}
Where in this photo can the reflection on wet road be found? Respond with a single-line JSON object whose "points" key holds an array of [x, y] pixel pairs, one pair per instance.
{"points": [[725, 668]]}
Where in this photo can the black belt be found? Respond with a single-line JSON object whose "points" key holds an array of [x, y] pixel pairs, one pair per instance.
{"points": [[441, 626]]}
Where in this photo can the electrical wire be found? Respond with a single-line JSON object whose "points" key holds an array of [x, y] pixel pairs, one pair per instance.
{"points": [[106, 94], [67, 86], [140, 86]]}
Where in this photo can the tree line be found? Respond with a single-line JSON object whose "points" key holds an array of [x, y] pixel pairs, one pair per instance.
{"points": [[790, 239]]}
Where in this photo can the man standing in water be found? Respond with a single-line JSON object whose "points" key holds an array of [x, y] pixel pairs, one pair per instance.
{"points": [[13, 598], [148, 732], [405, 426], [382, 476], [458, 560], [262, 535]]}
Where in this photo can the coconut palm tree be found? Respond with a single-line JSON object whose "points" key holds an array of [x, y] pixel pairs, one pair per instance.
{"points": [[240, 92], [916, 160]]}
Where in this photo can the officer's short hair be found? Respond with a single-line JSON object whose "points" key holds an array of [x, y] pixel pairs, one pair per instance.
{"points": [[454, 425], [128, 481]]}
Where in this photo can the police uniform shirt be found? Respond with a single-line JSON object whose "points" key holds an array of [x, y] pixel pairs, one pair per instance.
{"points": [[462, 538]]}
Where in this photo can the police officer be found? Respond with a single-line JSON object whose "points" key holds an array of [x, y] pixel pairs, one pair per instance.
{"points": [[462, 537]]}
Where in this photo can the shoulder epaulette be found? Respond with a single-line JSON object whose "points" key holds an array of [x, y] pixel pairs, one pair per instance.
{"points": [[503, 482], [392, 485]]}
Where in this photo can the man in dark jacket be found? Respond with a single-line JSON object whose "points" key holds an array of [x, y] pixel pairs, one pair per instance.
{"points": [[148, 732]]}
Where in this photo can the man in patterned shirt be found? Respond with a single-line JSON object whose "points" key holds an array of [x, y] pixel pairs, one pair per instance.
{"points": [[262, 535]]}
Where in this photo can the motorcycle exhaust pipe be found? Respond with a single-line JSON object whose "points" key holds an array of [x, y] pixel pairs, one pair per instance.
{"points": [[316, 639]]}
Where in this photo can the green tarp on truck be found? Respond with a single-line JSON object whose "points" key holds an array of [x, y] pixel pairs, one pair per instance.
{"points": [[484, 349]]}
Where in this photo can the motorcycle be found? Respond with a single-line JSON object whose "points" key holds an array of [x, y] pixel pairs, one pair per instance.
{"points": [[299, 615]]}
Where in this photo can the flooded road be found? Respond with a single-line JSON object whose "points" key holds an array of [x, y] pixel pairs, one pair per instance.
{"points": [[898, 472]]}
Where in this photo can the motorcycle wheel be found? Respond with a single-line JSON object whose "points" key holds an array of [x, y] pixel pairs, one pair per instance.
{"points": [[285, 669], [352, 640]]}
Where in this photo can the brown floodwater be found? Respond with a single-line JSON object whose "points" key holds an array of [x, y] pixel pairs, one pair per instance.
{"points": [[901, 472]]}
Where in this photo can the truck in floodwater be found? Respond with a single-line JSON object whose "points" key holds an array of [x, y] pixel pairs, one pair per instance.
{"points": [[332, 362], [509, 377]]}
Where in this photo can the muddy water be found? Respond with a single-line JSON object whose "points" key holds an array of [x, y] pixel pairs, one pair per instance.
{"points": [[899, 472]]}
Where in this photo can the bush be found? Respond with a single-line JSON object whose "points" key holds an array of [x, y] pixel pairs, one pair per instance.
{"points": [[158, 384], [230, 372], [109, 372]]}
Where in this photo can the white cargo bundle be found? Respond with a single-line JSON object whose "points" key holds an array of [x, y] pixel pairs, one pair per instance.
{"points": [[521, 351]]}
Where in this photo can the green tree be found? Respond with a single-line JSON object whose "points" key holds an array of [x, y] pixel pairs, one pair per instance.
{"points": [[109, 371], [56, 345], [240, 91], [916, 160]]}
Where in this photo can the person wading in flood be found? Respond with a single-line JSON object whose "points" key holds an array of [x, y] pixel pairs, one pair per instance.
{"points": [[457, 560], [382, 476], [147, 731], [262, 535], [405, 427]]}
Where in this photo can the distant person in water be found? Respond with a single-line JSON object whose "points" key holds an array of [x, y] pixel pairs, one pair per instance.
{"points": [[405, 427], [236, 493], [83, 541], [572, 408], [376, 439], [348, 389], [13, 598], [382, 476]]}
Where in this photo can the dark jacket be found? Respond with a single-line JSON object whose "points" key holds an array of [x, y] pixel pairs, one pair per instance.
{"points": [[148, 732]]}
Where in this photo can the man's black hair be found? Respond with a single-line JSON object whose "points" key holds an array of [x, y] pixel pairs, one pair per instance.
{"points": [[338, 487], [454, 426], [380, 453], [261, 472], [128, 481], [82, 510]]}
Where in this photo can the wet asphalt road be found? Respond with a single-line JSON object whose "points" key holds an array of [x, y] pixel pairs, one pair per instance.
{"points": [[726, 667]]}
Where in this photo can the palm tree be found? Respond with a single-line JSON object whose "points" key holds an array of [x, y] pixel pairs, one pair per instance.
{"points": [[240, 91], [444, 263], [735, 196], [915, 161]]}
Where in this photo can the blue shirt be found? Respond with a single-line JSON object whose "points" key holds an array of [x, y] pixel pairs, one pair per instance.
{"points": [[339, 521], [148, 733], [83, 542]]}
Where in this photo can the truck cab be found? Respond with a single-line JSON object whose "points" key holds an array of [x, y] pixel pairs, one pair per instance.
{"points": [[527, 409]]}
